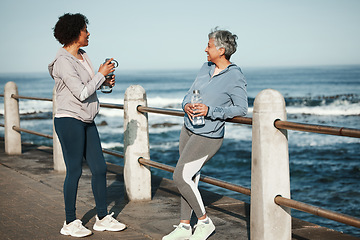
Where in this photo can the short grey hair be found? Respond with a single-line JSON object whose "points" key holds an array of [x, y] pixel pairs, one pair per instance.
{"points": [[224, 39]]}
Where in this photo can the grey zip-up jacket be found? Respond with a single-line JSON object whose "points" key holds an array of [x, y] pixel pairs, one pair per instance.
{"points": [[225, 95], [75, 87]]}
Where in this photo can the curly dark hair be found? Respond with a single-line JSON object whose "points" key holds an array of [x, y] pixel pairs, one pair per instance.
{"points": [[68, 27]]}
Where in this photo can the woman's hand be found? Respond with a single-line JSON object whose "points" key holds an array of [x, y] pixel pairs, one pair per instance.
{"points": [[107, 67], [110, 81], [196, 109]]}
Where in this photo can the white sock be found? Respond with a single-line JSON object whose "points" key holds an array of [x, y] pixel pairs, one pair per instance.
{"points": [[206, 220], [185, 225]]}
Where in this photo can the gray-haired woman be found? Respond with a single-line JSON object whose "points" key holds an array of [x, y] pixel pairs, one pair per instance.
{"points": [[223, 89]]}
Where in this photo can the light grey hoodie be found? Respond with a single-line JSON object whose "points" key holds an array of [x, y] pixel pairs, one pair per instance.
{"points": [[75, 87]]}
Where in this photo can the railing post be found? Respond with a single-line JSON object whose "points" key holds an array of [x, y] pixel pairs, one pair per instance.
{"points": [[137, 177], [12, 118], [58, 159], [269, 170]]}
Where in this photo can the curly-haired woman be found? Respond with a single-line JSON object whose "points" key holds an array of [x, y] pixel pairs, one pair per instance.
{"points": [[77, 105]]}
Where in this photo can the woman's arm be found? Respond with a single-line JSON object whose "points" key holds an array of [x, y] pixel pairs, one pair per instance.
{"points": [[239, 106], [72, 78]]}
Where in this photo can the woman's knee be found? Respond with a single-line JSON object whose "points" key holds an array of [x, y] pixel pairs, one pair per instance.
{"points": [[177, 176], [99, 170], [74, 173]]}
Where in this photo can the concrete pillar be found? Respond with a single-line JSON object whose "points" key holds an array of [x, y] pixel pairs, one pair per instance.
{"points": [[137, 177], [269, 170], [12, 118], [58, 159]]}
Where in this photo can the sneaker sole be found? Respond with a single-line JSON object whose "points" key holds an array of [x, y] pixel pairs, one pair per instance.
{"points": [[101, 229], [63, 232], [178, 238], [181, 238], [211, 234]]}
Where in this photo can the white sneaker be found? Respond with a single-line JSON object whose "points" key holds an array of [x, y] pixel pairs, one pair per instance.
{"points": [[203, 230], [75, 229], [181, 232], [108, 223]]}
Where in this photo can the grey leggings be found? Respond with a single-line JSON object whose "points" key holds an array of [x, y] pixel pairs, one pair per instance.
{"points": [[195, 151]]}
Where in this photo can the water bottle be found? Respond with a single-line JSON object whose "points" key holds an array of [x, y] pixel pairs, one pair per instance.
{"points": [[196, 98], [104, 87]]}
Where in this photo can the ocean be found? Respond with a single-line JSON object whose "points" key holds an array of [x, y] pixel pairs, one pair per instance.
{"points": [[324, 169]]}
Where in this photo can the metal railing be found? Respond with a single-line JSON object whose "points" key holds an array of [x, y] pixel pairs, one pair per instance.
{"points": [[32, 132], [106, 105], [180, 113], [343, 218], [348, 132], [15, 96], [203, 178], [339, 217]]}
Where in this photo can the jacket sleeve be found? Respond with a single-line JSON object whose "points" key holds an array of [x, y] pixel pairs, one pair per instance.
{"points": [[239, 107], [187, 98], [75, 78]]}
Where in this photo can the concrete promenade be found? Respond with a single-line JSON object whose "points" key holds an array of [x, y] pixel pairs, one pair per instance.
{"points": [[31, 204]]}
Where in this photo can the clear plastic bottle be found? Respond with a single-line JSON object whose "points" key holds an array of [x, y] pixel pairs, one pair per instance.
{"points": [[196, 98]]}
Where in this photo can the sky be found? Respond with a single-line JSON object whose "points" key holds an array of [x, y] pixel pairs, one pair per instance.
{"points": [[165, 34]]}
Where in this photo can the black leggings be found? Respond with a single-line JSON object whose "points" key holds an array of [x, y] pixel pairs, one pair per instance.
{"points": [[81, 140]]}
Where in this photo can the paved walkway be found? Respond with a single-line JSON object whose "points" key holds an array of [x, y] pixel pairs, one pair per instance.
{"points": [[31, 205]]}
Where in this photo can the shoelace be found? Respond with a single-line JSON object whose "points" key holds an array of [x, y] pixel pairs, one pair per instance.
{"points": [[111, 218], [201, 225], [179, 226], [79, 225]]}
